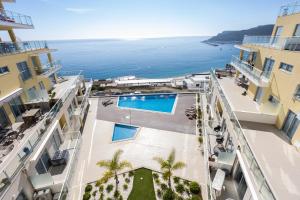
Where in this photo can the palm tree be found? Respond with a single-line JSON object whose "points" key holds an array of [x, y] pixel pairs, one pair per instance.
{"points": [[113, 166], [169, 165]]}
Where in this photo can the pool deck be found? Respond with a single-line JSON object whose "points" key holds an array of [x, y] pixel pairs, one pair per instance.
{"points": [[177, 121], [97, 145]]}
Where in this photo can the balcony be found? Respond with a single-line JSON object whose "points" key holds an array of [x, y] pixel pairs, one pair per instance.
{"points": [[34, 137], [280, 43], [253, 74], [49, 68], [10, 19], [244, 152], [289, 9], [7, 48]]}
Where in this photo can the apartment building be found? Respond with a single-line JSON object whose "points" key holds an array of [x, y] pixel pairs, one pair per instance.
{"points": [[42, 114], [257, 105]]}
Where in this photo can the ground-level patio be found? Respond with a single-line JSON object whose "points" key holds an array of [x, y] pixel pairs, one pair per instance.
{"points": [[97, 145]]}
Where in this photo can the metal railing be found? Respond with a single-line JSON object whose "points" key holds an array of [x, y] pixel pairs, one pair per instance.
{"points": [[246, 152], [276, 42], [289, 9], [249, 70], [14, 17], [50, 68], [21, 47], [14, 163]]}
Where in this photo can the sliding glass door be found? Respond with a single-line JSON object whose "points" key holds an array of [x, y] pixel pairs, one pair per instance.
{"points": [[291, 124]]}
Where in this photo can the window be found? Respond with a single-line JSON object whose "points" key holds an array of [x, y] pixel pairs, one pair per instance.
{"points": [[286, 67], [24, 70], [297, 30], [273, 100], [278, 31], [42, 86], [268, 67], [43, 164], [32, 94], [297, 93], [17, 106], [4, 70], [4, 122]]}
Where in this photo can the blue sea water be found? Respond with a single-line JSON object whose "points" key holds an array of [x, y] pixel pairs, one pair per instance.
{"points": [[149, 58], [122, 132], [158, 102]]}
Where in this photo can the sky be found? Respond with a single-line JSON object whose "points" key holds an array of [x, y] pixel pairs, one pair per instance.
{"points": [[131, 19]]}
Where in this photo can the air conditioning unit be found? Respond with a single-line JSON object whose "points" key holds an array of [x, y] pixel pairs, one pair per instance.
{"points": [[43, 195]]}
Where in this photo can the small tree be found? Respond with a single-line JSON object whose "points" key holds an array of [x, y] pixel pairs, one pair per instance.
{"points": [[113, 166], [169, 165]]}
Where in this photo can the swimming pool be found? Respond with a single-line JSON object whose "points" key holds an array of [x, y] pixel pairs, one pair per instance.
{"points": [[156, 102], [123, 132]]}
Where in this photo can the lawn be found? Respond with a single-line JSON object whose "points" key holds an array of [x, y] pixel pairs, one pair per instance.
{"points": [[142, 185]]}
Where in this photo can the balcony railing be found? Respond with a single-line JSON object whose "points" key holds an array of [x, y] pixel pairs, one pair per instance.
{"points": [[253, 166], [21, 47], [11, 167], [16, 18], [50, 68], [289, 9], [255, 75], [280, 43]]}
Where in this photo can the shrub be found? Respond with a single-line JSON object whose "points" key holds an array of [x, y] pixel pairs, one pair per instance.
{"points": [[194, 188], [179, 188], [157, 181], [98, 183], [163, 187], [86, 196], [169, 195], [88, 188], [158, 192], [101, 187], [187, 191], [155, 175], [94, 193], [109, 198], [195, 197], [124, 175], [186, 182], [200, 139], [127, 180], [179, 198], [125, 186], [120, 197], [176, 179], [101, 196], [131, 173], [116, 194], [109, 188]]}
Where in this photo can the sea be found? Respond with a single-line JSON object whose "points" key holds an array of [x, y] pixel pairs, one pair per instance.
{"points": [[144, 58]]}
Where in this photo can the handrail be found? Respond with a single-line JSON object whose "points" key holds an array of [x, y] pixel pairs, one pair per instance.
{"points": [[51, 67], [276, 42], [14, 17], [20, 47], [289, 9], [245, 148], [16, 162]]}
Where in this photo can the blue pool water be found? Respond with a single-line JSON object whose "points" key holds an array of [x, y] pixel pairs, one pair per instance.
{"points": [[158, 102], [122, 132]]}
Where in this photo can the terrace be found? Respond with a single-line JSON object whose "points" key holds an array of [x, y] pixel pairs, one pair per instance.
{"points": [[7, 48], [49, 68], [10, 19]]}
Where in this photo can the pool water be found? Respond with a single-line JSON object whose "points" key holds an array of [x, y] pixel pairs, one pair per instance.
{"points": [[158, 102], [123, 132]]}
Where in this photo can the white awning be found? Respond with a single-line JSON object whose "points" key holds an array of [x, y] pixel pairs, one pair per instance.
{"points": [[245, 48], [10, 96], [41, 181], [218, 181]]}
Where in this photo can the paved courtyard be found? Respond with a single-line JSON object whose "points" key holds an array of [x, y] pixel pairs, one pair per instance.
{"points": [[177, 122], [97, 145]]}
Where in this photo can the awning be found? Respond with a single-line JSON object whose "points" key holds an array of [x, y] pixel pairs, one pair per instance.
{"points": [[245, 48], [10, 96]]}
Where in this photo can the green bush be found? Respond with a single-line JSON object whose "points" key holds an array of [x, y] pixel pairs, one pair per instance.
{"points": [[195, 197], [176, 179], [194, 188], [163, 187], [86, 196], [109, 188], [179, 198], [179, 188], [157, 181], [120, 197], [155, 175], [131, 173], [94, 193], [101, 196], [116, 194], [101, 188], [124, 175], [88, 188], [108, 198], [98, 183], [186, 182], [200, 139], [158, 191], [169, 195], [127, 180], [187, 191], [125, 186]]}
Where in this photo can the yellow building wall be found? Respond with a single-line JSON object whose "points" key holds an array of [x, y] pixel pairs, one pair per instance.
{"points": [[252, 90], [289, 23]]}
